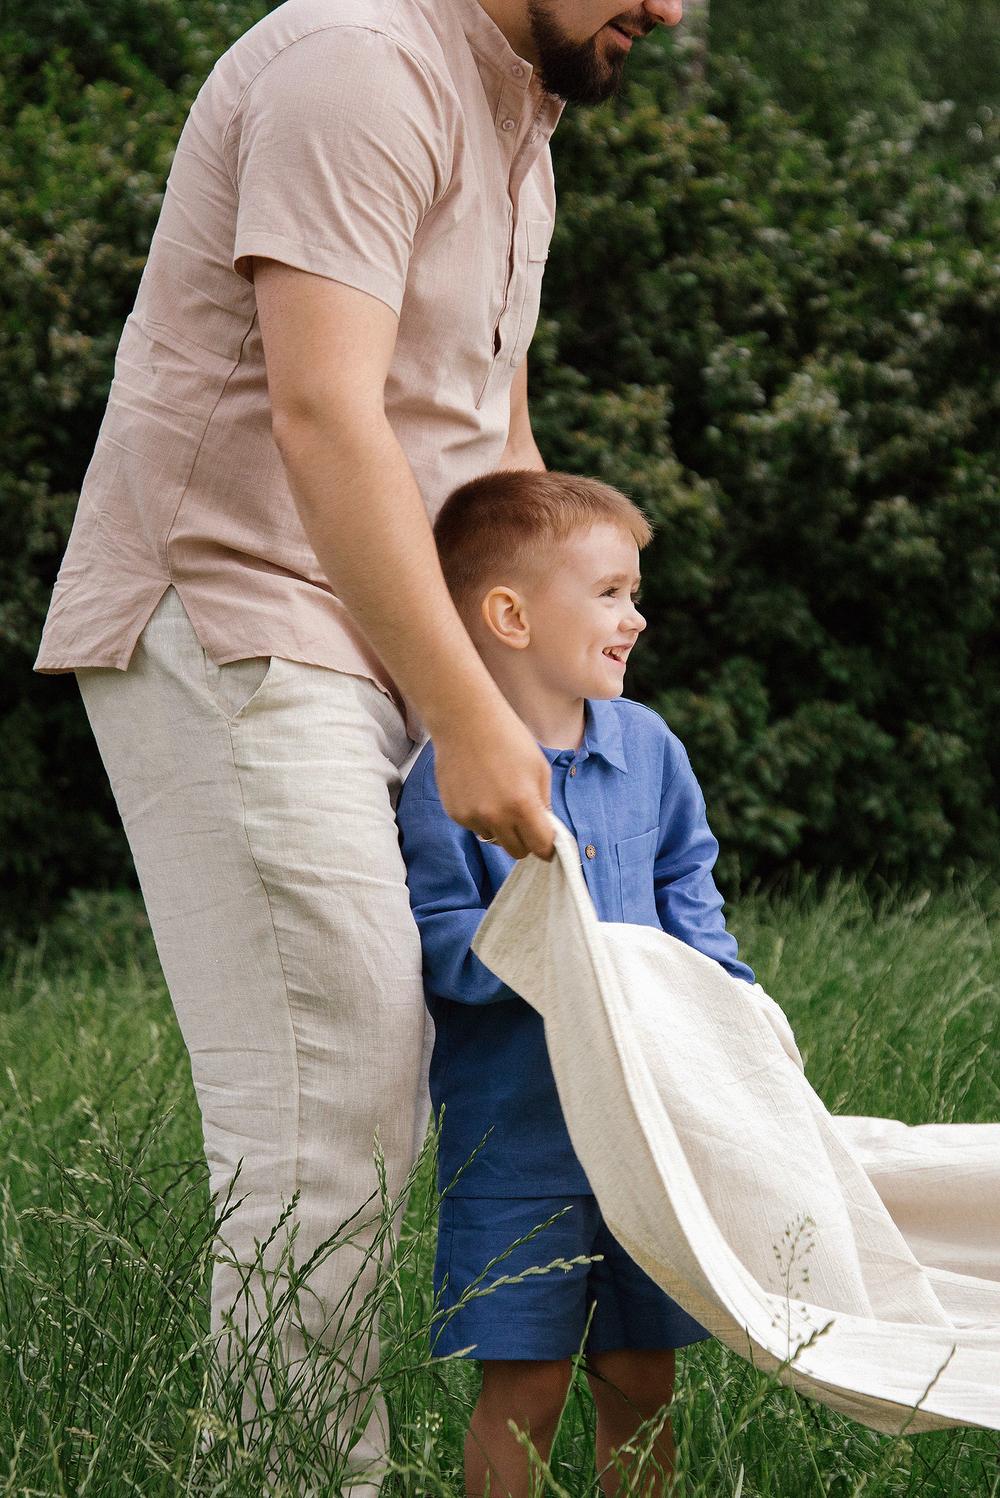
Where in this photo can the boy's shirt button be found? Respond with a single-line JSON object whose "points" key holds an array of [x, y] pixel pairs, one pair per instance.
{"points": [[590, 851], [572, 769]]}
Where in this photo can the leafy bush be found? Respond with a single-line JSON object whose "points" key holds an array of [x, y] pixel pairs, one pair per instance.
{"points": [[92, 102], [828, 62], [786, 354], [782, 347]]}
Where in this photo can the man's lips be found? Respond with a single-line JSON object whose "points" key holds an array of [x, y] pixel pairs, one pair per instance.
{"points": [[627, 34], [624, 38]]}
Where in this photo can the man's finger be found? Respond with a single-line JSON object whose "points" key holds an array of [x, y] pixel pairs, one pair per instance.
{"points": [[514, 843], [538, 838]]}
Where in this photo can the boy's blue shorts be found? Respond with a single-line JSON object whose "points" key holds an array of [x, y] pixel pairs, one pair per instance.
{"points": [[545, 1315]]}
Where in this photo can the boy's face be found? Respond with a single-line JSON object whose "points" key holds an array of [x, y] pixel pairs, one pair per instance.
{"points": [[583, 608]]}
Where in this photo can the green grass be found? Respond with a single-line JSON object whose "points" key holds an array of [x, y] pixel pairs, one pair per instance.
{"points": [[106, 1378]]}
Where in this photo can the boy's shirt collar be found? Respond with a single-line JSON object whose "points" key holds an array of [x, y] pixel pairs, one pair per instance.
{"points": [[602, 734]]}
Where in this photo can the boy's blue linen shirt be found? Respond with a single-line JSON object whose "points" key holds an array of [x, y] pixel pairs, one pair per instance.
{"points": [[630, 798]]}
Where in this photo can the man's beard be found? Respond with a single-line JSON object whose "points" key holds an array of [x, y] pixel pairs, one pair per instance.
{"points": [[574, 71]]}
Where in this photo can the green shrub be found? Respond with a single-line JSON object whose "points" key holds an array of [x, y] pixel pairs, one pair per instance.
{"points": [[81, 174], [787, 354], [829, 62]]}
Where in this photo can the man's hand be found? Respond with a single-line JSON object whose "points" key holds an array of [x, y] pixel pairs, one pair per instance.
{"points": [[327, 347], [496, 781]]}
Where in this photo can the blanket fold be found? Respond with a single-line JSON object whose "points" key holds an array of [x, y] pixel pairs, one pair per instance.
{"points": [[859, 1258]]}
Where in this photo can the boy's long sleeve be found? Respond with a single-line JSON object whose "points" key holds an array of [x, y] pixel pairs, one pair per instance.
{"points": [[687, 901], [446, 898]]}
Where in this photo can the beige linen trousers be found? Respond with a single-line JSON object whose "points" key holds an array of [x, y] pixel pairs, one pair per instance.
{"points": [[258, 799]]}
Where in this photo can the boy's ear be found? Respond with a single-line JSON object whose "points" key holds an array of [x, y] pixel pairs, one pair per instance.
{"points": [[505, 616]]}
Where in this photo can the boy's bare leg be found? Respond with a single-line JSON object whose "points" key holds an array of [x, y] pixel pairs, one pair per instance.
{"points": [[531, 1394], [629, 1387]]}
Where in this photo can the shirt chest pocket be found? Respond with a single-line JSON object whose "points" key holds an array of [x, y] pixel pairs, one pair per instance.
{"points": [[539, 232], [515, 326], [636, 858]]}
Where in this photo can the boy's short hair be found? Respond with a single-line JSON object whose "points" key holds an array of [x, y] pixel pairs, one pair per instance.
{"points": [[496, 528]]}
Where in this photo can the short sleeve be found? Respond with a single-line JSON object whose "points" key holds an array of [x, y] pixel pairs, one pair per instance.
{"points": [[338, 150]]}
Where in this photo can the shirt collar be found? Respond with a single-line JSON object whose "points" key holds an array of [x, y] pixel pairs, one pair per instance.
{"points": [[485, 37], [602, 734], [508, 79]]}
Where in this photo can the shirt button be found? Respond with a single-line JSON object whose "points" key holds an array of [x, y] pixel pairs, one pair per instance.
{"points": [[572, 769], [507, 125], [517, 70], [590, 851]]}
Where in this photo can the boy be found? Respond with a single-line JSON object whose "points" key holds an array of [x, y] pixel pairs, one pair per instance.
{"points": [[544, 570]]}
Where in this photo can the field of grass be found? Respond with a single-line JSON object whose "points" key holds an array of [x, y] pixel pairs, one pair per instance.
{"points": [[105, 1230]]}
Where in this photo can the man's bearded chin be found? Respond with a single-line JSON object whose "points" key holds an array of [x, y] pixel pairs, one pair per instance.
{"points": [[574, 71]]}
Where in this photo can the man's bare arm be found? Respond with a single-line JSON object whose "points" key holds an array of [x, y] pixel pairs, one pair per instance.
{"points": [[327, 348], [521, 450]]}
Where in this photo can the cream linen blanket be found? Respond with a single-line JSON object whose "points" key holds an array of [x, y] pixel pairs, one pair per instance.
{"points": [[858, 1257]]}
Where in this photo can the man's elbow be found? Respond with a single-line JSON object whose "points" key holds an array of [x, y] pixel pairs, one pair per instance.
{"points": [[297, 422], [305, 414], [337, 431]]}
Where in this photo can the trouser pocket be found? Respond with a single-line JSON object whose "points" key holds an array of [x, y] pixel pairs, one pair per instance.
{"points": [[235, 684]]}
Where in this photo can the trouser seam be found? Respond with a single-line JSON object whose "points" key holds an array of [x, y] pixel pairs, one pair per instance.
{"points": [[283, 1334]]}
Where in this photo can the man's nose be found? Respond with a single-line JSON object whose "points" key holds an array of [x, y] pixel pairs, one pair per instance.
{"points": [[664, 12]]}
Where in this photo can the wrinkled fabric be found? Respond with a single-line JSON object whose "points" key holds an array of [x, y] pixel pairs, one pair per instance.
{"points": [[858, 1258], [257, 799]]}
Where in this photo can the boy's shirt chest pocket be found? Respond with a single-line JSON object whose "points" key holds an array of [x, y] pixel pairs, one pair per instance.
{"points": [[636, 858]]}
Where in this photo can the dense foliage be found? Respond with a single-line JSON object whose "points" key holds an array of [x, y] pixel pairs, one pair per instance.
{"points": [[781, 342], [788, 354], [828, 61], [91, 103]]}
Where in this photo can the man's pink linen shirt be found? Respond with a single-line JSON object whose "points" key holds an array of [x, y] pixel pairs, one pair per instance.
{"points": [[398, 146]]}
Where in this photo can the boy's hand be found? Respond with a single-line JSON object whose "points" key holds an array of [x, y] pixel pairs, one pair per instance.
{"points": [[493, 778]]}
